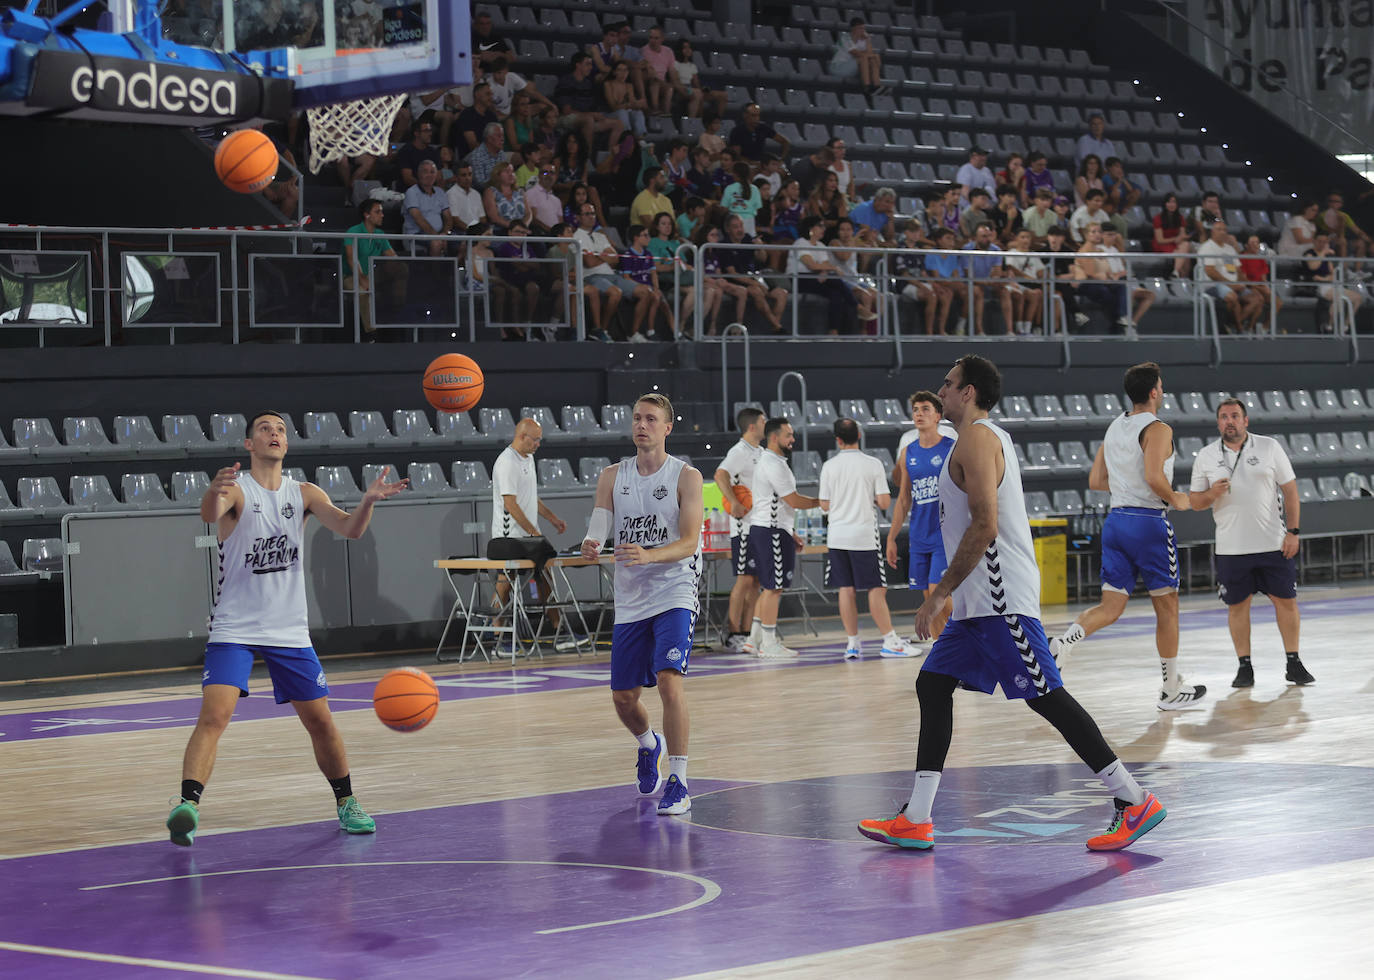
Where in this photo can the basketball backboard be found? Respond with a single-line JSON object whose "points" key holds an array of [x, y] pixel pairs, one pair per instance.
{"points": [[339, 49]]}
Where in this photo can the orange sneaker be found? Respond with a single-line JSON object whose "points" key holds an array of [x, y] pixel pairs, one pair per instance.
{"points": [[900, 831], [1130, 824]]}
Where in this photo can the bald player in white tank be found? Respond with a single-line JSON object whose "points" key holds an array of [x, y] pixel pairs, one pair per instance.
{"points": [[260, 610], [650, 505], [994, 637]]}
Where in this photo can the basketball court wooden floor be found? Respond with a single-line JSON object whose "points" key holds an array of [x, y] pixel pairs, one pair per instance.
{"points": [[511, 843]]}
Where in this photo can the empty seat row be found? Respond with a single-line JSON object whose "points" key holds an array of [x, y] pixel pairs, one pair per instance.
{"points": [[38, 557]]}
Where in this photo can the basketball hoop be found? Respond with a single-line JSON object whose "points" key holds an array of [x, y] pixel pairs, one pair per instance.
{"points": [[350, 129]]}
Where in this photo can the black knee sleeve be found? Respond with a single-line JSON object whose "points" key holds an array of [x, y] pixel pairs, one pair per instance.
{"points": [[1076, 725], [935, 693]]}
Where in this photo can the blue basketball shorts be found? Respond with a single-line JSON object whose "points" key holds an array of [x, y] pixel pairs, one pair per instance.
{"points": [[639, 650], [925, 563], [296, 672], [862, 570], [990, 650], [741, 560], [1241, 576], [774, 554], [1138, 541]]}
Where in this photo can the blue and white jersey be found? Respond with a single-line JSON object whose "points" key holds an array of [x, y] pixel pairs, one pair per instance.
{"points": [[645, 512], [922, 468]]}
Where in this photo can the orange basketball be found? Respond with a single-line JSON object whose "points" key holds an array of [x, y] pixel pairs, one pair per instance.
{"points": [[405, 699], [246, 161], [743, 495], [453, 383]]}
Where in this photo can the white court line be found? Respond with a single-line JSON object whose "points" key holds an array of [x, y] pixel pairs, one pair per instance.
{"points": [[218, 971], [710, 891]]}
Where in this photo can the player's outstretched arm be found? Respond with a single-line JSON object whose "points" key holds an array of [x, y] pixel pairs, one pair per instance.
{"points": [[223, 498], [1097, 476], [599, 529], [344, 524]]}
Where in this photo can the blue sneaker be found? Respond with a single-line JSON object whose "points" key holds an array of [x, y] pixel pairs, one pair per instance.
{"points": [[675, 799], [649, 768], [182, 822]]}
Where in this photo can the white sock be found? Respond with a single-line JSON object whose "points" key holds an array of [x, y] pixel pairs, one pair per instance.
{"points": [[1073, 634], [852, 642], [647, 740], [756, 631], [1122, 784], [922, 796], [1169, 668], [677, 766], [892, 639]]}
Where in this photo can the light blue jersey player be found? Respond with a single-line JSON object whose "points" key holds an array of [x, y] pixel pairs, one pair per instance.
{"points": [[650, 505]]}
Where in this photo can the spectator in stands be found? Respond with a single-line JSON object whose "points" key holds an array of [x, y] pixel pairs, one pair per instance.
{"points": [[1221, 264], [419, 148], [503, 200], [503, 83], [619, 95], [1064, 209], [359, 252], [1038, 177], [979, 203], [873, 219], [749, 139], [659, 61], [839, 166], [724, 175], [426, 208], [546, 208], [934, 217], [699, 176], [710, 137], [770, 170], [689, 222], [472, 122], [533, 159], [1347, 238], [1122, 194], [827, 203], [663, 245], [1095, 283], [1014, 173], [1141, 299], [546, 129], [855, 55], [1090, 213], [809, 169], [1089, 178], [1094, 141], [740, 261], [640, 76], [689, 85], [465, 201], [637, 267], [490, 152], [742, 198], [844, 257], [1063, 262], [907, 265], [1040, 218], [989, 276], [1006, 216], [441, 109], [487, 45], [787, 213], [574, 167], [606, 52], [815, 272], [1321, 270], [1173, 232], [1254, 269], [1025, 272], [676, 164], [599, 275], [954, 209], [1207, 214], [945, 266], [714, 286], [577, 100], [975, 173], [516, 282], [1299, 230], [651, 200]]}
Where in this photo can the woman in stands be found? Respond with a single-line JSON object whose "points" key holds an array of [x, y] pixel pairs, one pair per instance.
{"points": [[1254, 269], [1089, 178], [846, 263], [741, 197], [827, 203], [813, 268], [521, 123], [546, 130], [504, 202], [663, 245], [1173, 235], [573, 165], [1015, 175], [786, 219], [1299, 232], [619, 94], [714, 286], [687, 84]]}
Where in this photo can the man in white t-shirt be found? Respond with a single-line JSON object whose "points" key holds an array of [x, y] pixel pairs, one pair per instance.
{"points": [[599, 275], [975, 173], [772, 538], [1241, 477], [464, 200], [1221, 265], [504, 83], [734, 477], [516, 509], [852, 482]]}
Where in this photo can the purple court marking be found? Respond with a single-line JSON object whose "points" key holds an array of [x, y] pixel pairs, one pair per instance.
{"points": [[484, 889], [357, 696]]}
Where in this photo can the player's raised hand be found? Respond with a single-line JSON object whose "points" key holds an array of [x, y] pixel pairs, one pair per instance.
{"points": [[225, 479], [381, 490]]}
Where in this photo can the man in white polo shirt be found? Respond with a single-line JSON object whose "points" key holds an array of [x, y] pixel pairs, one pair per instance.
{"points": [[737, 470], [1240, 476], [516, 509], [852, 482]]}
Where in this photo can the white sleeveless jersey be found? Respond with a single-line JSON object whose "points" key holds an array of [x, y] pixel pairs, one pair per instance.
{"points": [[260, 585], [739, 462], [646, 512], [1125, 459], [1006, 580]]}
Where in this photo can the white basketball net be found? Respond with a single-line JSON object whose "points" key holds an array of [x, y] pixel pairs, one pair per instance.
{"points": [[350, 129]]}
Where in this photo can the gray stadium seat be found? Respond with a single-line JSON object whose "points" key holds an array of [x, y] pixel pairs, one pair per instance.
{"points": [[1307, 490], [368, 428], [1188, 448], [883, 455], [470, 478], [1354, 403], [806, 466], [856, 409], [1067, 502], [135, 432], [544, 416], [296, 473], [144, 491], [557, 474], [456, 427], [1356, 485], [189, 486], [1048, 406], [1168, 405], [1193, 405], [1038, 503], [1097, 501], [1303, 449], [579, 421], [412, 425], [87, 435], [9, 510], [183, 432], [1354, 447], [1301, 402], [615, 419], [1027, 465], [1042, 454], [338, 482], [427, 480], [820, 414], [10, 571], [589, 468], [1329, 405], [1330, 488], [42, 495], [37, 436], [1277, 407], [1075, 454], [325, 429], [496, 423], [1108, 406], [92, 493], [1077, 406], [1329, 447], [43, 555], [371, 471], [11, 454], [787, 409], [228, 428], [889, 413]]}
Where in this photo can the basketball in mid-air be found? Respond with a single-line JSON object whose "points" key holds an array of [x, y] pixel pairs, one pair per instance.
{"points": [[453, 383], [246, 161], [406, 699], [743, 495]]}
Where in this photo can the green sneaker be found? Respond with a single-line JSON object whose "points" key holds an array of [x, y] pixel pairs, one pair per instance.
{"points": [[182, 822], [353, 818]]}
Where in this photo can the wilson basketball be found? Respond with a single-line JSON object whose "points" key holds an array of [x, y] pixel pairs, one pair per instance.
{"points": [[246, 161], [453, 383], [743, 495], [405, 699]]}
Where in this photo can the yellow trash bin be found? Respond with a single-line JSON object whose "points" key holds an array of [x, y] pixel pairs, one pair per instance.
{"points": [[1051, 535]]}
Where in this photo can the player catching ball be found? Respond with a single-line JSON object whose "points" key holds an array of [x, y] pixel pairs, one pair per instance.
{"points": [[260, 611]]}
